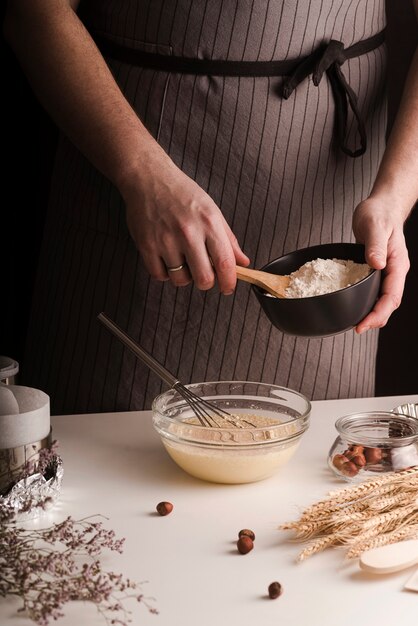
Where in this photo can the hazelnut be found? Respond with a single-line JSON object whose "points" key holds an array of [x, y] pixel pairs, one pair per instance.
{"points": [[356, 449], [373, 455], [245, 544], [164, 508], [246, 532], [349, 469], [353, 451], [338, 460], [275, 590], [359, 460]]}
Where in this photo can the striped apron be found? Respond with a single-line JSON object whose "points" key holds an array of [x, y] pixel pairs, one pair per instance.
{"points": [[275, 153]]}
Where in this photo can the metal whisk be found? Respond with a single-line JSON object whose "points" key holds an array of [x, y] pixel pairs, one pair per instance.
{"points": [[207, 413]]}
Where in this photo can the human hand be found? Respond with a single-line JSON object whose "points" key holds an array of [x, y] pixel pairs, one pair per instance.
{"points": [[379, 226], [174, 222]]}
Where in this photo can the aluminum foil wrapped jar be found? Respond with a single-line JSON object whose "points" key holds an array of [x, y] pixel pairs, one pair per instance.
{"points": [[30, 469]]}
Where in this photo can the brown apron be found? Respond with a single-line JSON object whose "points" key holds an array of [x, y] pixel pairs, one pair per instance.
{"points": [[272, 147]]}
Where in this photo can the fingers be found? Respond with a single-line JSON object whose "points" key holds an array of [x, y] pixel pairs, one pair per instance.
{"points": [[212, 260], [186, 228], [380, 228], [373, 227], [194, 264], [204, 263], [225, 254], [240, 257], [392, 287], [376, 246], [209, 256], [179, 274]]}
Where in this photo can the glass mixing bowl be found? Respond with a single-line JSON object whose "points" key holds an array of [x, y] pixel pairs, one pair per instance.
{"points": [[278, 417], [373, 442]]}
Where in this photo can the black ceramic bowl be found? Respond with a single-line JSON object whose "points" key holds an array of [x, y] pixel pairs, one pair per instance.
{"points": [[330, 313]]}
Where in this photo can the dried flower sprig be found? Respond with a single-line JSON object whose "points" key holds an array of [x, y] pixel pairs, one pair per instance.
{"points": [[33, 491], [45, 568], [40, 461], [363, 516]]}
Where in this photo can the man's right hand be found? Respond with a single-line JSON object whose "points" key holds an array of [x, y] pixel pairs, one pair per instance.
{"points": [[174, 222]]}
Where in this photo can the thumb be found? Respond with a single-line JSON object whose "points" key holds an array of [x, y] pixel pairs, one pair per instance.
{"points": [[376, 249]]}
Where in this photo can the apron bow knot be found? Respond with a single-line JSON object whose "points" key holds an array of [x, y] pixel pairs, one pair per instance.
{"points": [[333, 53], [328, 59]]}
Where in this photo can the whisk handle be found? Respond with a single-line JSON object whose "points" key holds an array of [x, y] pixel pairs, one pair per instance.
{"points": [[139, 352]]}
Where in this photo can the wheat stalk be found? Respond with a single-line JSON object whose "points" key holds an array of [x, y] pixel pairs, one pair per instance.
{"points": [[317, 546], [381, 520], [383, 484], [390, 501], [400, 534], [369, 485], [361, 516], [380, 528]]}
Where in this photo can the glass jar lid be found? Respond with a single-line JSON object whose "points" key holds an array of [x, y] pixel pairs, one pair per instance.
{"points": [[378, 428]]}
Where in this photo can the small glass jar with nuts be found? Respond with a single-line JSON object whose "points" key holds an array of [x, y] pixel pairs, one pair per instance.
{"points": [[373, 442]]}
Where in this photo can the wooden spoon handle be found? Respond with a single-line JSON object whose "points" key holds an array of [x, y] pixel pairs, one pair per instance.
{"points": [[255, 277], [272, 283]]}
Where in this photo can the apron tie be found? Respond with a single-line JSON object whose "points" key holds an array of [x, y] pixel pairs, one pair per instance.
{"points": [[329, 59]]}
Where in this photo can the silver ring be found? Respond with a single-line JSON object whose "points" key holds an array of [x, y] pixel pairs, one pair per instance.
{"points": [[176, 269]]}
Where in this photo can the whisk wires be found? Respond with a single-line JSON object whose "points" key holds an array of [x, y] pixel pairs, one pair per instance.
{"points": [[208, 413]]}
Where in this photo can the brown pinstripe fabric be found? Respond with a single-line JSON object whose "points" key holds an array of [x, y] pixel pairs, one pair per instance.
{"points": [[272, 167]]}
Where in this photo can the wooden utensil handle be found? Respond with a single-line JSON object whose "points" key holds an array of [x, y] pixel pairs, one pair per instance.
{"points": [[255, 277]]}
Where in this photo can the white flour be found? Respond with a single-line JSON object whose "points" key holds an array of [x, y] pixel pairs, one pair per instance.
{"points": [[324, 276]]}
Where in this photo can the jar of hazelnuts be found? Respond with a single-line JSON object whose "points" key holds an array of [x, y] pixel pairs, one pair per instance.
{"points": [[373, 442]]}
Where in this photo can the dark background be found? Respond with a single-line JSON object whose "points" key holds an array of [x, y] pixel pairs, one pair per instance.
{"points": [[397, 362], [29, 140]]}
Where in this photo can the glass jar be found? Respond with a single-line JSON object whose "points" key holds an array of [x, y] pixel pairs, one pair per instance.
{"points": [[373, 442]]}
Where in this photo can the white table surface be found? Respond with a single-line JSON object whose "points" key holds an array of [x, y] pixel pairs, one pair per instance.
{"points": [[115, 465]]}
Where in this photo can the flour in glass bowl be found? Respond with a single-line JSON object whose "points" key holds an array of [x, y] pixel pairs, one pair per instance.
{"points": [[321, 276]]}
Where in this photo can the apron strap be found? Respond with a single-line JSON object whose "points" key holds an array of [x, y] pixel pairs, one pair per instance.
{"points": [[326, 59]]}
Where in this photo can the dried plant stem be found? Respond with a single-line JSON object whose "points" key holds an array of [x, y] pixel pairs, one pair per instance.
{"points": [[304, 531], [381, 520], [316, 546], [380, 529], [361, 516], [366, 487], [406, 532], [322, 509], [338, 498], [44, 569], [390, 501]]}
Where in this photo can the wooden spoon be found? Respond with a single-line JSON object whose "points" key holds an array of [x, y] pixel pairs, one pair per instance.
{"points": [[275, 284], [390, 558]]}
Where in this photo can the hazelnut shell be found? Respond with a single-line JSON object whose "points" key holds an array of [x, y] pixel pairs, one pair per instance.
{"points": [[275, 590], [246, 532], [164, 508], [245, 544]]}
